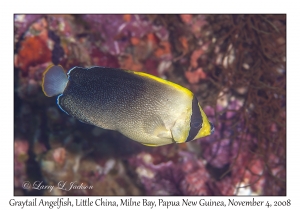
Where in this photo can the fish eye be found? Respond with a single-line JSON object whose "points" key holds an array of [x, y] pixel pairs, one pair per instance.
{"points": [[196, 124]]}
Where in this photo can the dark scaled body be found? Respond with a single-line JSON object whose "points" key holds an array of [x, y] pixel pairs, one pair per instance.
{"points": [[142, 107]]}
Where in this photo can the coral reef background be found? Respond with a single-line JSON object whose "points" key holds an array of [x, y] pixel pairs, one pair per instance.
{"points": [[235, 64]]}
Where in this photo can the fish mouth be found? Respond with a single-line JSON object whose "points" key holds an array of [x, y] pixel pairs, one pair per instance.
{"points": [[212, 128]]}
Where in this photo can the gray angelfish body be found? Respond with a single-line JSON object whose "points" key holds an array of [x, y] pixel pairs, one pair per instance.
{"points": [[142, 107]]}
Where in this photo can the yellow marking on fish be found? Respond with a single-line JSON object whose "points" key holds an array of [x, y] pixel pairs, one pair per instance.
{"points": [[150, 145], [205, 130], [176, 86]]}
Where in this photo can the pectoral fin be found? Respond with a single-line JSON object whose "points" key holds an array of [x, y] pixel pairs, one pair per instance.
{"points": [[156, 127]]}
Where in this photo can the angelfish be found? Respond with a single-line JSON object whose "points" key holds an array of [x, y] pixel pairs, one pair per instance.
{"points": [[145, 108]]}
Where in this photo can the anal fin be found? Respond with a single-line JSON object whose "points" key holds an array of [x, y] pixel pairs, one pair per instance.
{"points": [[150, 145]]}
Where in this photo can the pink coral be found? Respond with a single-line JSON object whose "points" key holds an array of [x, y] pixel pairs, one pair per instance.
{"points": [[183, 175], [195, 76], [117, 30], [186, 18], [20, 157], [59, 155], [219, 153], [22, 22], [224, 187], [21, 147], [103, 59], [195, 183]]}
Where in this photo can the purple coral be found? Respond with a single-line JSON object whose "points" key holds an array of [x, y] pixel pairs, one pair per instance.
{"points": [[218, 153], [185, 175], [220, 148], [22, 23], [117, 30]]}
